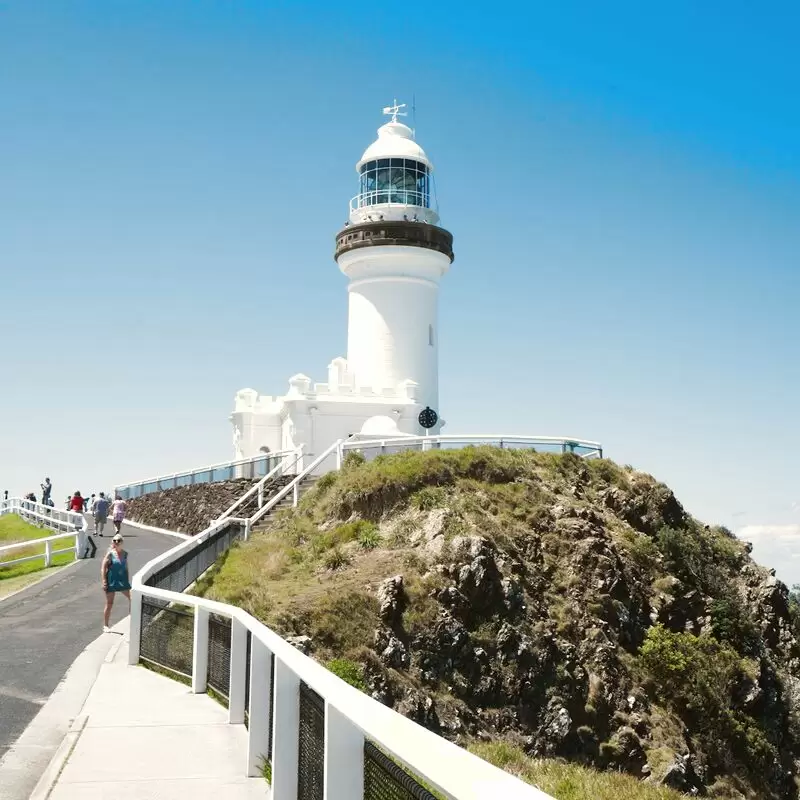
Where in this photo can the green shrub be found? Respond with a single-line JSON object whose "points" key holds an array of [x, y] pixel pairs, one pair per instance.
{"points": [[606, 471], [643, 551], [336, 559], [700, 557], [353, 459], [730, 623], [349, 672], [342, 534], [325, 482], [693, 673], [696, 676], [369, 537], [428, 498]]}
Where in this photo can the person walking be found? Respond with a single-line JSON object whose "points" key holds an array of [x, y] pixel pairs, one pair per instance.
{"points": [[100, 513], [76, 503], [118, 512], [115, 577]]}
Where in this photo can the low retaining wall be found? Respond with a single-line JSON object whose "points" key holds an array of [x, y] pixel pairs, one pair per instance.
{"points": [[187, 509]]}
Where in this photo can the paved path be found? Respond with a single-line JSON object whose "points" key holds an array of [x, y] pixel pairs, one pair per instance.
{"points": [[147, 737], [45, 627]]}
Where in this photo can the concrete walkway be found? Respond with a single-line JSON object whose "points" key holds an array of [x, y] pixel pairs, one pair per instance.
{"points": [[144, 736], [45, 628]]}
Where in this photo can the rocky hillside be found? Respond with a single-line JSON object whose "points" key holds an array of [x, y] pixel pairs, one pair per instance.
{"points": [[560, 607]]}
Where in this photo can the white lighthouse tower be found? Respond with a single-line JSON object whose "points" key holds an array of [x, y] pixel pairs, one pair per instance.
{"points": [[394, 255]]}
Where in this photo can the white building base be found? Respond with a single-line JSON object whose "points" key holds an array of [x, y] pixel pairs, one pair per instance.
{"points": [[316, 415]]}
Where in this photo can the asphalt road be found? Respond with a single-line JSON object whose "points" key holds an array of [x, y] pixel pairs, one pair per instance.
{"points": [[45, 627]]}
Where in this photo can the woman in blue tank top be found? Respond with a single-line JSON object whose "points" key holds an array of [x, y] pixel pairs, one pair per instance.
{"points": [[115, 576]]}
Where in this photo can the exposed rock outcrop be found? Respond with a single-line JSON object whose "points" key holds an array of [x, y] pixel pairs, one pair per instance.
{"points": [[572, 608]]}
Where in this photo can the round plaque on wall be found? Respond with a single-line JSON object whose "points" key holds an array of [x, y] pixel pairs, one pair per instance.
{"points": [[428, 417]]}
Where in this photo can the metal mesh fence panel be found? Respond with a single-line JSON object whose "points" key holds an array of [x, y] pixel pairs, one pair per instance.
{"points": [[181, 573], [385, 780], [219, 654], [311, 757], [167, 635]]}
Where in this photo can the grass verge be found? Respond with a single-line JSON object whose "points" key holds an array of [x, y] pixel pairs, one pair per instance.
{"points": [[10, 585], [14, 529], [569, 781]]}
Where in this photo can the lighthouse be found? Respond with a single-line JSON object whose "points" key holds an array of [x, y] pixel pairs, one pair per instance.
{"points": [[394, 254]]}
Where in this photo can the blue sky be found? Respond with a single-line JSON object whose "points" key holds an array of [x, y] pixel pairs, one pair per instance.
{"points": [[623, 186]]}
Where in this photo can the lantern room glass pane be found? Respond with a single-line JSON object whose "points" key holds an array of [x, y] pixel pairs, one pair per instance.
{"points": [[394, 180]]}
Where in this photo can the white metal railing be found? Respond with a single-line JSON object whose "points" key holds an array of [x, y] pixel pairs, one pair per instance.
{"points": [[68, 523], [560, 444], [394, 197], [293, 488], [292, 463], [351, 717], [261, 464]]}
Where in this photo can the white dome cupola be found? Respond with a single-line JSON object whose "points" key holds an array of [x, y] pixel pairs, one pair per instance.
{"points": [[395, 177]]}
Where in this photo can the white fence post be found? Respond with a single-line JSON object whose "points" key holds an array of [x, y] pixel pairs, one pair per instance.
{"points": [[200, 651], [136, 627], [295, 496], [238, 670], [339, 451], [344, 757], [285, 745], [258, 726], [47, 554]]}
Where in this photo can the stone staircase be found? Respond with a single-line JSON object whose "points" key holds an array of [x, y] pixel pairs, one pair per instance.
{"points": [[306, 485], [250, 507]]}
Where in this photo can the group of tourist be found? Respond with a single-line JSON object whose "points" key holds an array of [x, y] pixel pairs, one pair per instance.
{"points": [[96, 505], [114, 571]]}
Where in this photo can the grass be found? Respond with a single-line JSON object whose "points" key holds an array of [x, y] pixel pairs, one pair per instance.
{"points": [[569, 781], [349, 671], [14, 529], [10, 585]]}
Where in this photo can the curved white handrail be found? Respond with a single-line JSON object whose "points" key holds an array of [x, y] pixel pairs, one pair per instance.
{"points": [[510, 440], [351, 716], [294, 486], [292, 460]]}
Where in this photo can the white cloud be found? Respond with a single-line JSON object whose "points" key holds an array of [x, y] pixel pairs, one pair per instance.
{"points": [[775, 546], [762, 533]]}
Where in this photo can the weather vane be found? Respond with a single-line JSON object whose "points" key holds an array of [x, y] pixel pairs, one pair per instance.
{"points": [[396, 110]]}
